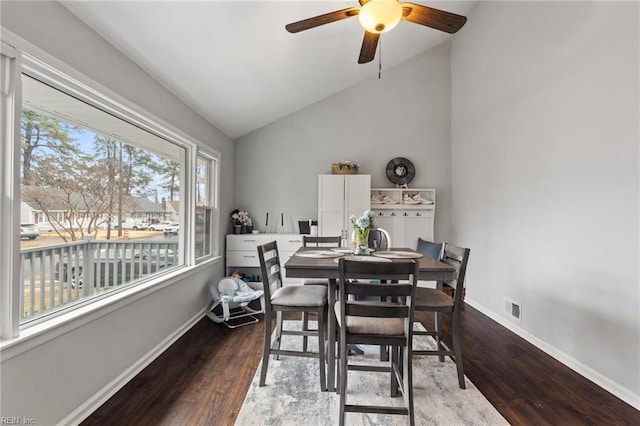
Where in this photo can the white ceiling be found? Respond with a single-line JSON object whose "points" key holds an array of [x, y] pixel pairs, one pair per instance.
{"points": [[233, 61]]}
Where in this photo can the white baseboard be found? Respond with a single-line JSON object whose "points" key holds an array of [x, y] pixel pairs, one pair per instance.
{"points": [[587, 372], [93, 403]]}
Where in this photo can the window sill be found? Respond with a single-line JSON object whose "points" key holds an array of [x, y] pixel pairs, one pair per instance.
{"points": [[38, 334]]}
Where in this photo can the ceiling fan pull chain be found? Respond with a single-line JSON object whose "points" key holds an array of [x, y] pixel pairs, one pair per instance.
{"points": [[379, 57]]}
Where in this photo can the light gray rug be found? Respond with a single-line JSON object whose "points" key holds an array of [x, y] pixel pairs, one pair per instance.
{"points": [[292, 393]]}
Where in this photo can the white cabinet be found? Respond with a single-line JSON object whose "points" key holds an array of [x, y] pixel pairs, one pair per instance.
{"points": [[406, 213], [339, 197], [242, 253]]}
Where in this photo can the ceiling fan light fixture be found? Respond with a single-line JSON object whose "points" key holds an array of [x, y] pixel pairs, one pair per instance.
{"points": [[379, 16]]}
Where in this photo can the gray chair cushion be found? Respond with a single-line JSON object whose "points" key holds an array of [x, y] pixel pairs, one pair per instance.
{"points": [[315, 281], [432, 297], [375, 326], [429, 249], [300, 295]]}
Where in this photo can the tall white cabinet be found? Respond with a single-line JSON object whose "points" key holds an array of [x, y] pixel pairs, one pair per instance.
{"points": [[408, 214], [339, 197]]}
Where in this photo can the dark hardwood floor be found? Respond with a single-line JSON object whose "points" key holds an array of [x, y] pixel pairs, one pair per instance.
{"points": [[202, 380]]}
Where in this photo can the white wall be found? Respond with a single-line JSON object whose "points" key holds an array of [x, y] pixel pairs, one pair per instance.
{"points": [[545, 134], [65, 377], [404, 114]]}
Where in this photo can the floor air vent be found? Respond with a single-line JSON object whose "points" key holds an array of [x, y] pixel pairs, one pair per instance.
{"points": [[512, 309]]}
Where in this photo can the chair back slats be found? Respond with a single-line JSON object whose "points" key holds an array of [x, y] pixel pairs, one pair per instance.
{"points": [[379, 289], [313, 241], [386, 272], [360, 269], [457, 257], [383, 310], [270, 269]]}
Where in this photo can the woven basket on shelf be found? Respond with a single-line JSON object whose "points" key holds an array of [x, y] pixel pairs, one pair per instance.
{"points": [[343, 171]]}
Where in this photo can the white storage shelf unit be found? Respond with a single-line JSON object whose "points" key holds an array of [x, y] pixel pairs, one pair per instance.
{"points": [[394, 198], [408, 214], [242, 253]]}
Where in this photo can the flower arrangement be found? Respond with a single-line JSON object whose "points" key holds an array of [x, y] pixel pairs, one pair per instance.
{"points": [[239, 216], [362, 225], [345, 167]]}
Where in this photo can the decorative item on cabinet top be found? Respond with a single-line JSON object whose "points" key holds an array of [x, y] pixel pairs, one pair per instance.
{"points": [[241, 223], [345, 168], [401, 171], [394, 198]]}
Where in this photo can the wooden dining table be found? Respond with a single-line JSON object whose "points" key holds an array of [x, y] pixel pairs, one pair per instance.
{"points": [[301, 266]]}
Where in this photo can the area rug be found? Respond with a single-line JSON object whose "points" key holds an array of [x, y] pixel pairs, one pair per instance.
{"points": [[292, 393]]}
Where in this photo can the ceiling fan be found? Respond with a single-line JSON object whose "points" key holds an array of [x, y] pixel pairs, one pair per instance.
{"points": [[379, 16]]}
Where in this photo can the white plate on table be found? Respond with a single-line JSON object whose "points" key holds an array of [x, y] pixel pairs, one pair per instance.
{"points": [[366, 259], [398, 254], [319, 254], [347, 250], [342, 250]]}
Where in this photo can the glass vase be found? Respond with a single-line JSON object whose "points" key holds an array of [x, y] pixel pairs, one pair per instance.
{"points": [[361, 241]]}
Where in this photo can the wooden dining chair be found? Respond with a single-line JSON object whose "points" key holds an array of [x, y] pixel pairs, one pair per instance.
{"points": [[438, 301], [320, 242], [388, 322], [315, 241], [379, 239], [293, 298]]}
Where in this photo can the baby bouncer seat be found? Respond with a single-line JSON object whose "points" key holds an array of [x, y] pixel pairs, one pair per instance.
{"points": [[230, 299]]}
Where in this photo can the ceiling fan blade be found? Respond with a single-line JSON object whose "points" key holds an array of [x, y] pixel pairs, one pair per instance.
{"points": [[327, 18], [434, 18], [369, 45]]}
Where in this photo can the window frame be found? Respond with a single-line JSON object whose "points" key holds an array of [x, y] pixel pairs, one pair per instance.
{"points": [[26, 59], [212, 205]]}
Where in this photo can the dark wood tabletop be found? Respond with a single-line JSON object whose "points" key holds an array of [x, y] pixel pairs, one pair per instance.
{"points": [[312, 267]]}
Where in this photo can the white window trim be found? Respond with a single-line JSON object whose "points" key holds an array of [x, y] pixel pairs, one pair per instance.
{"points": [[49, 69], [11, 98], [213, 195]]}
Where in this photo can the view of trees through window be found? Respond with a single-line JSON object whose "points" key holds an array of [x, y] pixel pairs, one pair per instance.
{"points": [[79, 181]]}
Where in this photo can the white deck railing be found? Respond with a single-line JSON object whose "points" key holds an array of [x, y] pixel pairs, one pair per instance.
{"points": [[54, 277]]}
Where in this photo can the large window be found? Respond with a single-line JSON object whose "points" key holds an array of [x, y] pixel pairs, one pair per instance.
{"points": [[107, 200]]}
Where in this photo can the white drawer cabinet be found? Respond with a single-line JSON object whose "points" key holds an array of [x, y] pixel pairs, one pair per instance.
{"points": [[288, 242], [246, 241], [242, 252]]}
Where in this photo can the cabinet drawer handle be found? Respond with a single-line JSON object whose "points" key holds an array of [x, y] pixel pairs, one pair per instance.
{"points": [[248, 241], [418, 214], [249, 256], [295, 241]]}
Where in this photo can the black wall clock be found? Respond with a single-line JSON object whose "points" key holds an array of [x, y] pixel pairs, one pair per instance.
{"points": [[400, 171]]}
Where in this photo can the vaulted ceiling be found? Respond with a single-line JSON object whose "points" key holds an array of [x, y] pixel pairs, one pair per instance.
{"points": [[234, 62]]}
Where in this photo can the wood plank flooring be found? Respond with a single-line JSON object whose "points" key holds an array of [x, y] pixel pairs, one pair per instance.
{"points": [[202, 380]]}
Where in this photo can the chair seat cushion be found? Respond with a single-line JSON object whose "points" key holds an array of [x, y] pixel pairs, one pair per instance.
{"points": [[370, 325], [315, 281], [300, 295], [432, 297]]}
